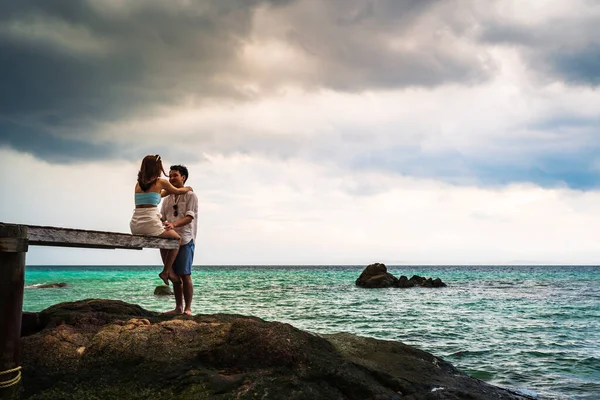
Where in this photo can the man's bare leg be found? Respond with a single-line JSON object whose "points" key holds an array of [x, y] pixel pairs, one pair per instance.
{"points": [[178, 291], [188, 293]]}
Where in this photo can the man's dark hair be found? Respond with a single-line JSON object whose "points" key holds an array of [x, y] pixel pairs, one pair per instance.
{"points": [[182, 171]]}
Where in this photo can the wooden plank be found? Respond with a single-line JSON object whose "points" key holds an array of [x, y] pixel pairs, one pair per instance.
{"points": [[65, 237]]}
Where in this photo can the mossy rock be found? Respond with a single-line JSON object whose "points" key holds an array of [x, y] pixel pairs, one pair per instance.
{"points": [[106, 349]]}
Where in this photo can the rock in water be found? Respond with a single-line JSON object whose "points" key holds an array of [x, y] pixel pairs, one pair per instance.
{"points": [[163, 290], [404, 282], [109, 349], [437, 282], [51, 285], [376, 276], [426, 282]]}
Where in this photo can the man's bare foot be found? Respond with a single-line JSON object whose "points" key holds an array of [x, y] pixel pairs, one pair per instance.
{"points": [[173, 312], [188, 312], [165, 277]]}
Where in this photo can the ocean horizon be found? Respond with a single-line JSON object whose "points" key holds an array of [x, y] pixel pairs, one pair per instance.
{"points": [[535, 328]]}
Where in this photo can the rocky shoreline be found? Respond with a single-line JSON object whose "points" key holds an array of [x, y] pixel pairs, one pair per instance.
{"points": [[109, 349]]}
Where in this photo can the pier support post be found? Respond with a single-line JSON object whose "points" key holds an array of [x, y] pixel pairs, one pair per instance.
{"points": [[13, 247]]}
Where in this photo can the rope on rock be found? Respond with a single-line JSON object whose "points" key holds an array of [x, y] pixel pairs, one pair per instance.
{"points": [[13, 381]]}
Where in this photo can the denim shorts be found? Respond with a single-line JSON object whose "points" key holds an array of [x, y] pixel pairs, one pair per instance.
{"points": [[184, 260]]}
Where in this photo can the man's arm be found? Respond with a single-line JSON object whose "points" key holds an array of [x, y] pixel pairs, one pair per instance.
{"points": [[192, 205], [190, 212]]}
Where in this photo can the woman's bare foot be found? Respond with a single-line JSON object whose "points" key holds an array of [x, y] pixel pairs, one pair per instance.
{"points": [[188, 312], [165, 277], [174, 278]]}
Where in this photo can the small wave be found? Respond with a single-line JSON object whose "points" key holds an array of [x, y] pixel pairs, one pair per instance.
{"points": [[499, 284], [483, 375], [591, 362], [467, 353], [33, 286], [556, 354], [523, 392]]}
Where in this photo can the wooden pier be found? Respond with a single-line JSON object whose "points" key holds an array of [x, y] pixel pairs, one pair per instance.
{"points": [[14, 243]]}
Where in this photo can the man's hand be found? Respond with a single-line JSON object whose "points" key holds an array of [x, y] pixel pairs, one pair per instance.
{"points": [[182, 222]]}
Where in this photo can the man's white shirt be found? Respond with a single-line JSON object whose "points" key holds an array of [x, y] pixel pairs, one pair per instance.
{"points": [[187, 205]]}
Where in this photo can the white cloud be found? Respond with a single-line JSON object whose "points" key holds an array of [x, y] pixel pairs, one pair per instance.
{"points": [[259, 211]]}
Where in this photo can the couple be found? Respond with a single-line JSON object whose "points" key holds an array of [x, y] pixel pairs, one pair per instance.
{"points": [[177, 220]]}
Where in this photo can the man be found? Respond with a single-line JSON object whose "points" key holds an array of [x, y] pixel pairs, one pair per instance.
{"points": [[180, 212]]}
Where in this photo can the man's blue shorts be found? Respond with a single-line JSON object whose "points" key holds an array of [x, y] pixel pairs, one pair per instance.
{"points": [[185, 258]]}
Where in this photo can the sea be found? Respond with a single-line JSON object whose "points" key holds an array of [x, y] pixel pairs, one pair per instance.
{"points": [[535, 329]]}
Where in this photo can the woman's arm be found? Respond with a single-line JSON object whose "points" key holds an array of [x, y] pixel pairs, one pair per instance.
{"points": [[166, 185]]}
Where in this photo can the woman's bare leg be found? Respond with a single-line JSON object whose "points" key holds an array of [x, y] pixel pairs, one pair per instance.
{"points": [[168, 256], [163, 256]]}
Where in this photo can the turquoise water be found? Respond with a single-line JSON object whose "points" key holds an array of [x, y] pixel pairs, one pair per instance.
{"points": [[535, 328]]}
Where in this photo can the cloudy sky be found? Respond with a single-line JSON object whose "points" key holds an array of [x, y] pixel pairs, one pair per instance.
{"points": [[316, 132]]}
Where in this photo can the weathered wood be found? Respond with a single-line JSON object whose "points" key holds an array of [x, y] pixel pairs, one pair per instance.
{"points": [[65, 237], [12, 274], [13, 245]]}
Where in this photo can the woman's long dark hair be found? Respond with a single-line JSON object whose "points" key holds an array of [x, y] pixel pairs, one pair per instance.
{"points": [[150, 171]]}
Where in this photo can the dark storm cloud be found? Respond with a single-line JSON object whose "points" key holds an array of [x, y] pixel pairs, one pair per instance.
{"points": [[52, 148], [68, 65], [565, 49], [65, 66], [361, 45]]}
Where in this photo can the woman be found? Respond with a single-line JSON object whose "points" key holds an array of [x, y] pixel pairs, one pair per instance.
{"points": [[146, 219]]}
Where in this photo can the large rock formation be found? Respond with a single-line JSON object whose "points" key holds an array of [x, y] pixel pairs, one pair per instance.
{"points": [[376, 276], [106, 349]]}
